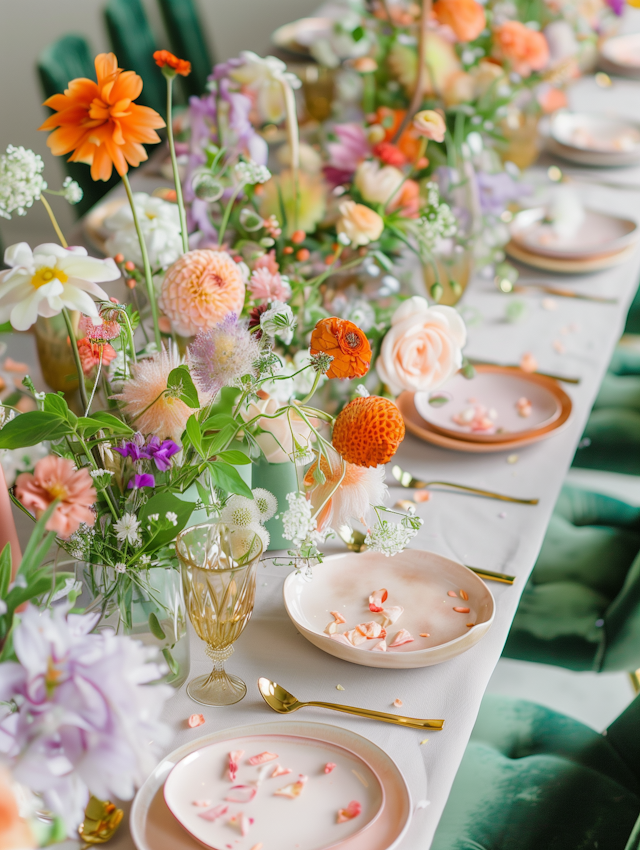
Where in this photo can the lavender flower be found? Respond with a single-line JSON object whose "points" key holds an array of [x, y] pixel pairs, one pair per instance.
{"points": [[141, 480], [84, 720], [222, 355], [498, 190]]}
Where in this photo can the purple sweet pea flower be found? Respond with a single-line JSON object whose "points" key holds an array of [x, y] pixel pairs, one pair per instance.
{"points": [[498, 190], [617, 6], [132, 450], [161, 452], [144, 480]]}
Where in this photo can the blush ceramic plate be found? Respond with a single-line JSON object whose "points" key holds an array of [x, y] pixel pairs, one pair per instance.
{"points": [[590, 138], [599, 233], [308, 821], [497, 392], [153, 827], [417, 581], [621, 55], [568, 265]]}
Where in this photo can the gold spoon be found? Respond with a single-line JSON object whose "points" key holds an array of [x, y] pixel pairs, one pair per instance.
{"points": [[561, 378], [280, 700], [101, 820], [407, 480], [506, 286]]}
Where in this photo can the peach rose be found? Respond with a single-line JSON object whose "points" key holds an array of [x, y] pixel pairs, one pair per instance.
{"points": [[277, 437], [361, 224], [465, 17], [525, 49], [377, 184], [423, 347], [430, 124]]}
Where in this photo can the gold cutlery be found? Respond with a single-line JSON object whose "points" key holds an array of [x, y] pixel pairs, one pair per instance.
{"points": [[557, 175], [563, 378], [280, 700], [504, 578], [506, 286], [407, 480]]}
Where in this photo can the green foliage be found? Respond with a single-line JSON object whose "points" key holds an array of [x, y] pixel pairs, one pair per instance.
{"points": [[31, 428], [162, 503], [181, 385], [228, 478]]}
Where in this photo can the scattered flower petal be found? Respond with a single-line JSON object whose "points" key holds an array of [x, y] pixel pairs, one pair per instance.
{"points": [[401, 638], [425, 634], [512, 459], [196, 720], [376, 599], [202, 804], [421, 496], [280, 771], [261, 758], [559, 346], [11, 365], [464, 595], [549, 304], [397, 703], [452, 593], [380, 647], [524, 407], [424, 741], [461, 610], [339, 688], [391, 615], [337, 616], [341, 639], [291, 791], [241, 794], [329, 766], [352, 811], [234, 758], [214, 813], [528, 362]]}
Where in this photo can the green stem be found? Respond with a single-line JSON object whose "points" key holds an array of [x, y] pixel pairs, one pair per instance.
{"points": [[145, 261], [174, 166], [95, 384], [308, 397], [76, 356], [227, 213], [54, 221]]}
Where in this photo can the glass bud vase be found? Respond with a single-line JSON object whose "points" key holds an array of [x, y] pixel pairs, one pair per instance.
{"points": [[55, 354]]}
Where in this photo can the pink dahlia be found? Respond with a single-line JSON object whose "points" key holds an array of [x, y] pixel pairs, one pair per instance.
{"points": [[200, 289], [269, 286], [57, 478]]}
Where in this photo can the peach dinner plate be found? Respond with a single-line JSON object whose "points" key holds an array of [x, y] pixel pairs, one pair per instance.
{"points": [[571, 265], [621, 55], [593, 138], [493, 400], [445, 608], [154, 827]]}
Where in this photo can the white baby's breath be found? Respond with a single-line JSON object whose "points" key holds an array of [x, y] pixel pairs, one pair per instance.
{"points": [[71, 190], [21, 180]]}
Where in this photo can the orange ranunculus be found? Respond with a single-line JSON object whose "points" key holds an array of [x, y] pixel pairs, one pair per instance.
{"points": [[346, 343], [99, 124], [407, 200], [465, 17], [368, 431], [164, 59], [525, 49], [409, 142]]}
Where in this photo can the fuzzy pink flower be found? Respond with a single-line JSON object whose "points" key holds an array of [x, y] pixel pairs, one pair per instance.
{"points": [[268, 261], [57, 478], [144, 399], [103, 332], [200, 289], [269, 286]]}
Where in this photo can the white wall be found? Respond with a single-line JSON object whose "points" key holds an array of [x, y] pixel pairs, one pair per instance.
{"points": [[27, 26]]}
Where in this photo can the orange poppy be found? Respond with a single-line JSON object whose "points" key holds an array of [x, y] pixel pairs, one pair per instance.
{"points": [[99, 124], [165, 59], [346, 343], [368, 431], [409, 142]]}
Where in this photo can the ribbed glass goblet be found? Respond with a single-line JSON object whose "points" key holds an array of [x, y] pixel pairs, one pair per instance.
{"points": [[218, 568]]}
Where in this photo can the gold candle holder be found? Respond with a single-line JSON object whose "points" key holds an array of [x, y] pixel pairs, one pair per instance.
{"points": [[218, 566]]}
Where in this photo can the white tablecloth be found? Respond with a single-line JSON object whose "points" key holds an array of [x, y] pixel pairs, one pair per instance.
{"points": [[477, 531]]}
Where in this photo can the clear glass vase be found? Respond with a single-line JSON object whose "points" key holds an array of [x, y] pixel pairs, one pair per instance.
{"points": [[521, 137], [450, 266], [150, 608], [55, 355]]}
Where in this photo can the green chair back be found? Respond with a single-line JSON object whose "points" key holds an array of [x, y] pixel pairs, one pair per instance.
{"points": [[133, 43], [187, 40], [64, 60]]}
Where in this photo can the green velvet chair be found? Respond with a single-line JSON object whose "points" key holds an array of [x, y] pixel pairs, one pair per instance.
{"points": [[133, 43], [581, 606], [187, 39], [64, 60], [534, 779]]}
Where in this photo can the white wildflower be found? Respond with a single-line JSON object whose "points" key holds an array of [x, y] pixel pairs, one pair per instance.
{"points": [[362, 391], [72, 191], [265, 502], [21, 181], [172, 517], [389, 538], [127, 529], [278, 321], [120, 567], [250, 172], [154, 517], [298, 524], [240, 512], [144, 560]]}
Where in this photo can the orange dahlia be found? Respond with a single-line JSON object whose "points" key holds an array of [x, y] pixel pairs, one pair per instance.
{"points": [[368, 431], [346, 343], [164, 59], [99, 124]]}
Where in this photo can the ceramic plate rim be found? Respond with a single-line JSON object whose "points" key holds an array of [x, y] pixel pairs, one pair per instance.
{"points": [[155, 780], [500, 438], [567, 266], [591, 115], [336, 844]]}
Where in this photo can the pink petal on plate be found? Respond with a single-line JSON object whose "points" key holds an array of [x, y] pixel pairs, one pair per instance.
{"points": [[392, 614], [376, 599], [291, 791], [201, 804], [371, 630], [241, 794], [337, 616], [355, 637], [331, 628], [234, 758], [329, 766], [380, 647], [241, 821], [280, 771], [341, 639], [261, 758], [257, 846], [401, 638], [214, 813], [397, 703], [352, 811], [195, 720]]}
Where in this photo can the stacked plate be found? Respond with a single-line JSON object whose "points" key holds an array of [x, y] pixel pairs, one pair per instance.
{"points": [[332, 788], [590, 138], [601, 241], [621, 55], [501, 409]]}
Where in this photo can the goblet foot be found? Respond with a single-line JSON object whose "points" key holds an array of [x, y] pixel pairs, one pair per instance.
{"points": [[218, 687]]}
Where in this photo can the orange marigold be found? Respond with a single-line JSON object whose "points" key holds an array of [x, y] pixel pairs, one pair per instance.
{"points": [[368, 431], [346, 343], [164, 59], [99, 124]]}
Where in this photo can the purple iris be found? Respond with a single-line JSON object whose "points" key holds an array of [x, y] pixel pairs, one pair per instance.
{"points": [[161, 452], [144, 480]]}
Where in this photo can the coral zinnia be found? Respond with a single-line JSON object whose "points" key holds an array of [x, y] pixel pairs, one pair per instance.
{"points": [[368, 431], [90, 354], [151, 409], [164, 59], [57, 478], [200, 290], [99, 124], [359, 490], [346, 343]]}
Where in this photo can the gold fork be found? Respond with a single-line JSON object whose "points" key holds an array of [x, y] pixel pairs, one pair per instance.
{"points": [[406, 479]]}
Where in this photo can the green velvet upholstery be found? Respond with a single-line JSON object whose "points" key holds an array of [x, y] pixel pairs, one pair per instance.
{"points": [[133, 43], [187, 40], [64, 60], [581, 606], [534, 779], [633, 316]]}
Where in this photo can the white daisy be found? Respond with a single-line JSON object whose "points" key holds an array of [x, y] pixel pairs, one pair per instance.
{"points": [[127, 529]]}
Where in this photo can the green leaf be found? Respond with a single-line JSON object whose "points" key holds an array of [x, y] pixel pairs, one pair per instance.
{"points": [[5, 570], [179, 379], [155, 627], [88, 426], [111, 423], [227, 478], [172, 664], [227, 399], [31, 428], [161, 504], [215, 444], [215, 423], [194, 435], [54, 403], [6, 328], [234, 457], [439, 400], [384, 261]]}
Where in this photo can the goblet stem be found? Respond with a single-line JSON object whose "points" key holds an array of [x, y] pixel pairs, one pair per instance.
{"points": [[218, 688]]}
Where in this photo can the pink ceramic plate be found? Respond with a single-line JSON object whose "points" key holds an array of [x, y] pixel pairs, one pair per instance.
{"points": [[153, 827], [622, 54]]}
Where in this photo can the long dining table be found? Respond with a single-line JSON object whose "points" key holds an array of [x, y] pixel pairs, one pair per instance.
{"points": [[566, 336]]}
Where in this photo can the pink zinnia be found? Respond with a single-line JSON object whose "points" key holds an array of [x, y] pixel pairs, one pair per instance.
{"points": [[57, 478], [269, 286]]}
